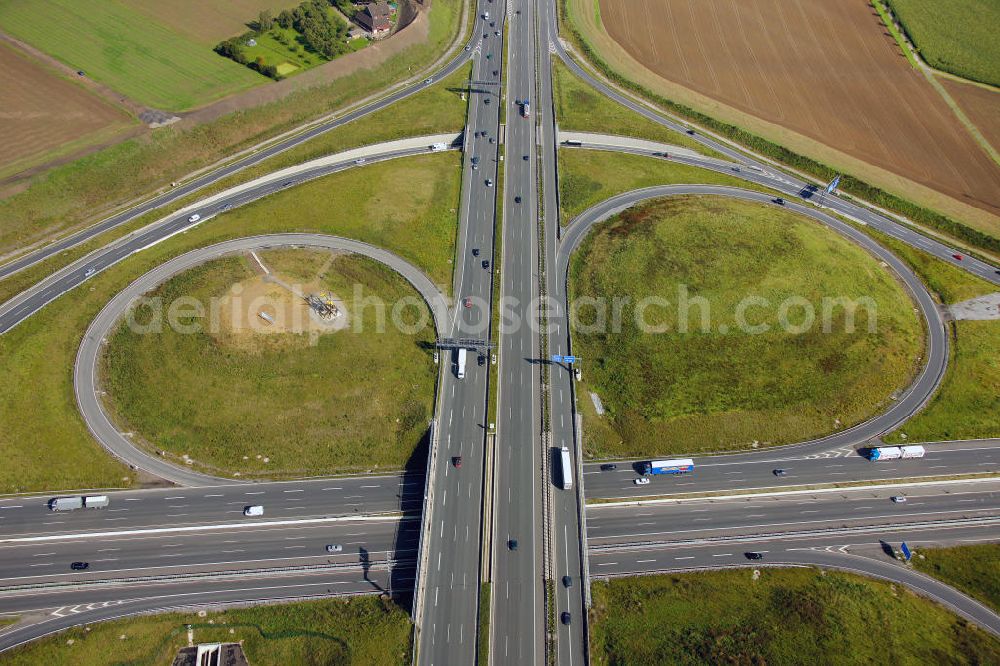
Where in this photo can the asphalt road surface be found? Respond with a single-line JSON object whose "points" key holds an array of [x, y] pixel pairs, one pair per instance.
{"points": [[518, 619], [448, 595], [172, 508], [47, 612], [756, 471]]}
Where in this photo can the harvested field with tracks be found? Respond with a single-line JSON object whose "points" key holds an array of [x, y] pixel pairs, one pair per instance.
{"points": [[43, 111], [826, 71]]}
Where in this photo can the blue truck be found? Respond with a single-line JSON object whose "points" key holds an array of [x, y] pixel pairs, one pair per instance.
{"points": [[678, 466]]}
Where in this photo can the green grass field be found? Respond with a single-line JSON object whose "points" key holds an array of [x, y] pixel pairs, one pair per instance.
{"points": [[45, 443], [975, 569], [967, 406], [362, 630], [958, 36], [787, 616], [354, 400], [87, 189], [721, 387], [127, 51], [580, 108], [588, 177]]}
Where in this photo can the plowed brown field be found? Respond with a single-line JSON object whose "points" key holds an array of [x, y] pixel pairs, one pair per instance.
{"points": [[981, 104], [42, 111], [825, 70]]}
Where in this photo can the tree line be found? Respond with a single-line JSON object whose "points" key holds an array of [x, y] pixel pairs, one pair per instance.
{"points": [[320, 30]]}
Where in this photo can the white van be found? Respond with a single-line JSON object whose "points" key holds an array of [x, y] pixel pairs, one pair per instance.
{"points": [[255, 510]]}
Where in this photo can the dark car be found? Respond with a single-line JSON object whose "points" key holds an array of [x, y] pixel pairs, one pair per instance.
{"points": [[457, 462], [481, 360], [779, 472], [79, 566], [486, 264], [754, 556], [691, 132], [512, 544], [486, 101], [609, 467], [496, 72], [517, 199], [565, 618], [526, 158], [779, 201], [475, 252], [567, 581]]}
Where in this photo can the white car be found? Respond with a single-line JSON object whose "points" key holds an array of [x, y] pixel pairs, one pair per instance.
{"points": [[899, 499], [641, 481], [194, 218], [90, 271], [334, 548], [255, 510], [359, 161]]}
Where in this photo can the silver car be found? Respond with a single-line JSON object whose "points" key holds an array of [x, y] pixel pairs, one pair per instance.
{"points": [[334, 548]]}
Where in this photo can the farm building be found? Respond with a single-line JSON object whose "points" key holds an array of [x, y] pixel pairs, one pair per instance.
{"points": [[376, 18]]}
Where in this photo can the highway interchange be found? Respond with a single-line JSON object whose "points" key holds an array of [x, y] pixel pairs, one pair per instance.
{"points": [[189, 545]]}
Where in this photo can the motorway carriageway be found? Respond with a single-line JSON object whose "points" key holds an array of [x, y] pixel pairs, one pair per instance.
{"points": [[54, 610], [767, 515], [144, 554], [751, 471], [185, 507]]}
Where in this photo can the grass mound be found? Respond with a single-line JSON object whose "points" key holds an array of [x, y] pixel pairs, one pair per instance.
{"points": [[731, 356], [289, 398], [973, 569], [793, 616]]}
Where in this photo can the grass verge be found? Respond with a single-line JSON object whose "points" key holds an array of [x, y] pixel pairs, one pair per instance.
{"points": [[975, 569], [725, 379], [47, 445], [967, 406], [362, 630], [823, 172], [483, 646], [588, 177], [580, 108], [784, 616], [88, 189], [249, 400]]}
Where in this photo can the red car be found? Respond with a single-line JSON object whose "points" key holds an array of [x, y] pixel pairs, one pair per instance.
{"points": [[957, 256], [457, 461], [467, 302]]}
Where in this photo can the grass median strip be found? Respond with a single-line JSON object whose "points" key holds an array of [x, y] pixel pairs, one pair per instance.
{"points": [[588, 177]]}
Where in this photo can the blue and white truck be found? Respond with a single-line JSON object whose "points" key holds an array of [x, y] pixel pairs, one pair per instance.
{"points": [[895, 452], [677, 466]]}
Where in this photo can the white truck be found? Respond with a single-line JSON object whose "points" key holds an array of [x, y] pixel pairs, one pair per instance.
{"points": [[438, 147], [566, 467], [96, 501], [462, 354], [895, 452]]}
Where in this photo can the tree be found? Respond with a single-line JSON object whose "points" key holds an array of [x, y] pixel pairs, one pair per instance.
{"points": [[286, 19], [265, 20]]}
